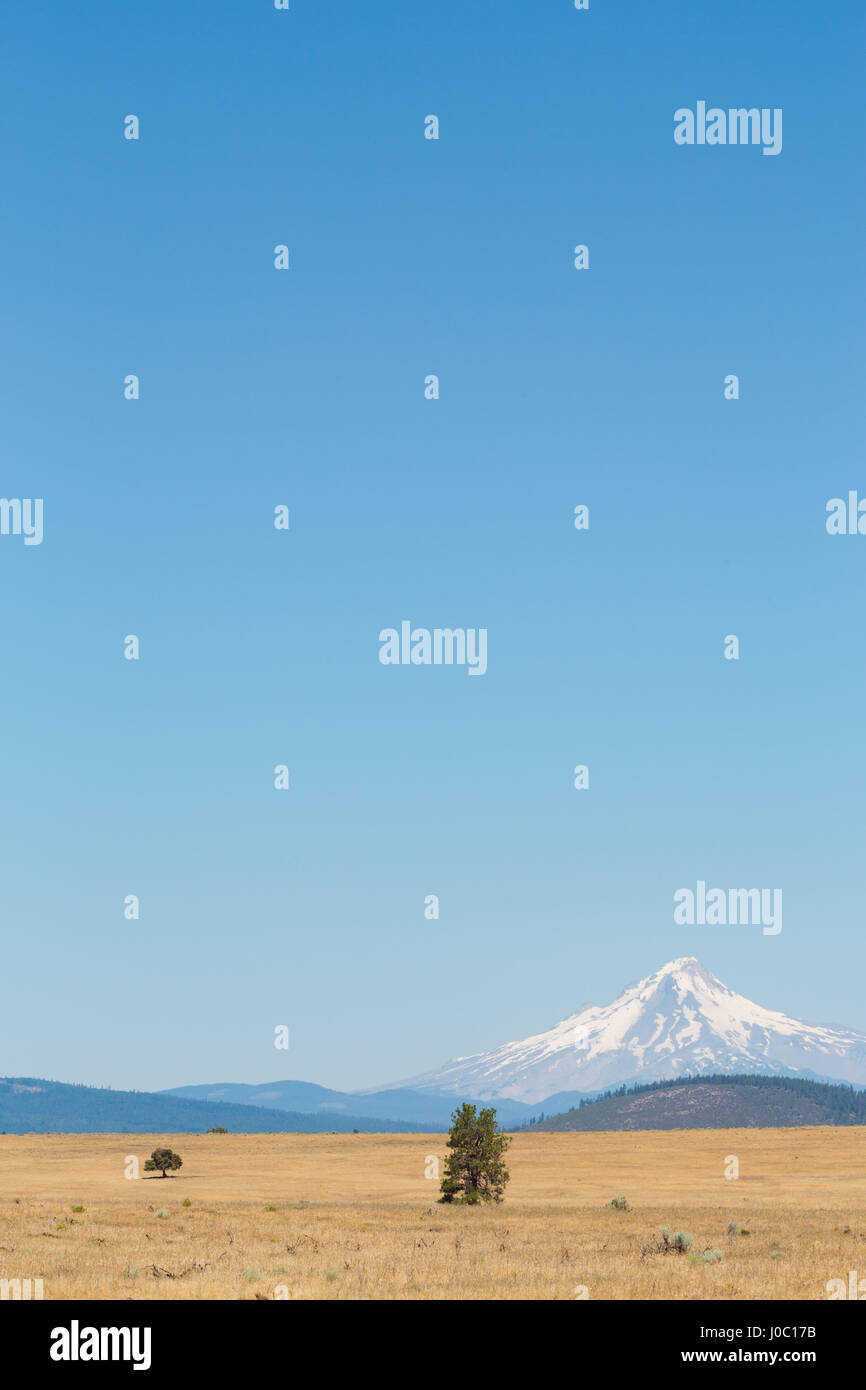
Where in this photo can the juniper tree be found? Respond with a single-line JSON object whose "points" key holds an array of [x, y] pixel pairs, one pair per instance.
{"points": [[474, 1170]]}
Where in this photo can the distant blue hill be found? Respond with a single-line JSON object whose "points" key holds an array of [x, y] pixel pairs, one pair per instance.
{"points": [[425, 1109], [31, 1105]]}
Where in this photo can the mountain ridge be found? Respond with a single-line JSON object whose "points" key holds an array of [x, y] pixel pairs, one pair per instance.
{"points": [[403, 1104], [33, 1105], [680, 1021], [714, 1102]]}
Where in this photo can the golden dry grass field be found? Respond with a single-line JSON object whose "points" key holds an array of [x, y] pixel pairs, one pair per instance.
{"points": [[354, 1217]]}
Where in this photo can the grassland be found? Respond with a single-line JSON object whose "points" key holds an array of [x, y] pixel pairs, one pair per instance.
{"points": [[354, 1217]]}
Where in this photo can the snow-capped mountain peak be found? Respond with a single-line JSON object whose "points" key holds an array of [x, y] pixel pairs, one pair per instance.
{"points": [[681, 1020]]}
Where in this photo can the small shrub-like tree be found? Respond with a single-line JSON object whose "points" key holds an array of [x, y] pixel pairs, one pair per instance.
{"points": [[161, 1160]]}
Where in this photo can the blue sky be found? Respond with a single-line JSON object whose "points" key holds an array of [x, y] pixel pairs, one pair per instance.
{"points": [[305, 387]]}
